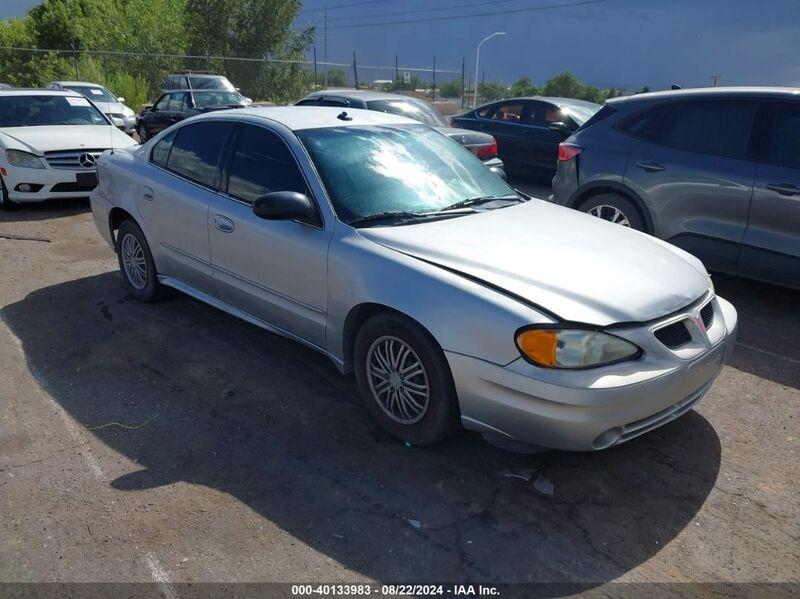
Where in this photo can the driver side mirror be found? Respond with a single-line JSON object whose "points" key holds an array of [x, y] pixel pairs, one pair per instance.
{"points": [[559, 127], [121, 100], [499, 172], [286, 205]]}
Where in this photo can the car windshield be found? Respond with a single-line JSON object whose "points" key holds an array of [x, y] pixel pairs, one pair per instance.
{"points": [[419, 111], [218, 98], [94, 92], [375, 170], [36, 111], [220, 83]]}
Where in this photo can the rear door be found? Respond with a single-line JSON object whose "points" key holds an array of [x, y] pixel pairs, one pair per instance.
{"points": [[174, 201], [274, 270], [504, 121], [771, 247], [693, 173]]}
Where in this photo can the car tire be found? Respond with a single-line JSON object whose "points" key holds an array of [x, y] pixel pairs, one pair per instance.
{"points": [[615, 208], [136, 263], [409, 390], [5, 203]]}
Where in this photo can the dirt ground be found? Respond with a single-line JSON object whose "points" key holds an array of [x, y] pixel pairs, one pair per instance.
{"points": [[170, 442]]}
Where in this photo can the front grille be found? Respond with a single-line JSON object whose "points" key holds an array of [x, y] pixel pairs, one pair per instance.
{"points": [[674, 335], [69, 159], [71, 187], [707, 314]]}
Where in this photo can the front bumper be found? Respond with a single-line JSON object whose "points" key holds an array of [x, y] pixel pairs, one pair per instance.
{"points": [[594, 409], [50, 183]]}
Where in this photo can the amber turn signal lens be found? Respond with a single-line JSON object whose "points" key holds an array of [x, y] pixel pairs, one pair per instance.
{"points": [[539, 345]]}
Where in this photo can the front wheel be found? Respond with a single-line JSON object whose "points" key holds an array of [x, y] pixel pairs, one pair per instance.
{"points": [[136, 263], [5, 203], [404, 380], [614, 208]]}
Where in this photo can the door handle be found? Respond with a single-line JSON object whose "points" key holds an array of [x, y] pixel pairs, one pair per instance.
{"points": [[650, 166], [147, 194], [223, 224], [785, 189]]}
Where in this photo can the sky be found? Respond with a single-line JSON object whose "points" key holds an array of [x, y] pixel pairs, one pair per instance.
{"points": [[621, 43]]}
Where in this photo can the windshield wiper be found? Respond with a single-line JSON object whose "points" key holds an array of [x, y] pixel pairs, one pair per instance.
{"points": [[405, 216], [482, 200]]}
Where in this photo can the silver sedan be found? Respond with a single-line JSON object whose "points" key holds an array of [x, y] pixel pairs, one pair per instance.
{"points": [[454, 299]]}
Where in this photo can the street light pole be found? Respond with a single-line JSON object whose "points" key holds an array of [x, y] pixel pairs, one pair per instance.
{"points": [[477, 65]]}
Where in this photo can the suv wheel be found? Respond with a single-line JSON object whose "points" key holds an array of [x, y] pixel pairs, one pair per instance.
{"points": [[404, 380], [5, 203], [614, 208], [136, 263]]}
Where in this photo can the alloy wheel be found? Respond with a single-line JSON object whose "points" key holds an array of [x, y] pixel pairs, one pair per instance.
{"points": [[134, 262], [611, 214], [398, 380]]}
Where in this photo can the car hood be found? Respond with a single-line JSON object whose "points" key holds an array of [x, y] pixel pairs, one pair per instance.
{"points": [[577, 267], [466, 137], [38, 140]]}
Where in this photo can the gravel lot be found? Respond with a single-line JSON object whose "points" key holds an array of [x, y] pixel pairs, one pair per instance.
{"points": [[171, 442]]}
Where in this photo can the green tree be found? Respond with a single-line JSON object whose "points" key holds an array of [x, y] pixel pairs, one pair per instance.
{"points": [[336, 78], [563, 85], [491, 91], [450, 89], [252, 29], [523, 87]]}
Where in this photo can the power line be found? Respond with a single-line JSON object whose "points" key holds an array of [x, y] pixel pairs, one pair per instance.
{"points": [[421, 10], [338, 6], [469, 16]]}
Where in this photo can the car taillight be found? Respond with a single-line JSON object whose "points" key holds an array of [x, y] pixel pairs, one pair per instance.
{"points": [[567, 152], [486, 152]]}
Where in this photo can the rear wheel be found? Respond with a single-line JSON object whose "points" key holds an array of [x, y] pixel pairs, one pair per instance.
{"points": [[5, 203], [614, 208], [404, 380], [136, 263]]}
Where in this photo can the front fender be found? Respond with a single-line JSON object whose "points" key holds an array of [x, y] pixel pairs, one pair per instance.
{"points": [[464, 316]]}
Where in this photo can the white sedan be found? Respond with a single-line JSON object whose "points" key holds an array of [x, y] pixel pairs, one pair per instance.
{"points": [[49, 144]]}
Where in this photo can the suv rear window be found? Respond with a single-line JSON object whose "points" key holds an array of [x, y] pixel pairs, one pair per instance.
{"points": [[719, 127], [644, 124], [606, 111]]}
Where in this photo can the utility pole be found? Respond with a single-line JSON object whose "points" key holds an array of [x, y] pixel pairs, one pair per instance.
{"points": [[396, 74], [463, 64], [434, 77], [355, 70], [316, 79], [325, 42], [715, 79]]}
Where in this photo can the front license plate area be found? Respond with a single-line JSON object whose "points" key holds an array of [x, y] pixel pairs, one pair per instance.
{"points": [[708, 365], [86, 179]]}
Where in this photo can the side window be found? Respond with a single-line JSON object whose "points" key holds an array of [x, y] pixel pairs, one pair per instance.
{"points": [[645, 124], [720, 127], [309, 102], [162, 102], [510, 113], [785, 148], [176, 103], [161, 150], [262, 163], [169, 83], [196, 151]]}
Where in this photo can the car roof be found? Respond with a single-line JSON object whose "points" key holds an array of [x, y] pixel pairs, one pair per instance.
{"points": [[191, 74], [80, 83], [551, 99], [298, 118], [35, 91], [361, 94], [710, 92]]}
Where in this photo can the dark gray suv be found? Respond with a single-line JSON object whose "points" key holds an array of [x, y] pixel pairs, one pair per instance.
{"points": [[714, 171]]}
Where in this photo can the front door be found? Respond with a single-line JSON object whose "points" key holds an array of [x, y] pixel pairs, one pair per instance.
{"points": [[273, 270], [771, 247]]}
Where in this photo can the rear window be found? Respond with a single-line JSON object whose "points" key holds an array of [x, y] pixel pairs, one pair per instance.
{"points": [[645, 124], [220, 83], [606, 111], [419, 111]]}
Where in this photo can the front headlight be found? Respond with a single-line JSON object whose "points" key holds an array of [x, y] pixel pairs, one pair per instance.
{"points": [[128, 113], [23, 159], [553, 347]]}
